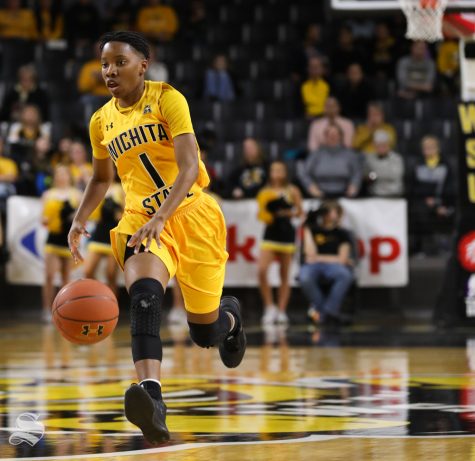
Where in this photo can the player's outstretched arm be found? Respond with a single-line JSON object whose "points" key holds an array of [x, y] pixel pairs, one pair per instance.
{"points": [[186, 155], [102, 177]]}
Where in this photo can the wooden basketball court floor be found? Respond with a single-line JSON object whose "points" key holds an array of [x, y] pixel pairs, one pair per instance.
{"points": [[298, 395]]}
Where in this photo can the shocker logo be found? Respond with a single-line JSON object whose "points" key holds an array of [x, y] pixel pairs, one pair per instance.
{"points": [[86, 330], [30, 430]]}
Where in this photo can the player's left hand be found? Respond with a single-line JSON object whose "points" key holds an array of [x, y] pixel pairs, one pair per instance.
{"points": [[148, 232]]}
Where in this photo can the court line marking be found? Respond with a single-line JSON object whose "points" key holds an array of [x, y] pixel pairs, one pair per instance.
{"points": [[183, 447]]}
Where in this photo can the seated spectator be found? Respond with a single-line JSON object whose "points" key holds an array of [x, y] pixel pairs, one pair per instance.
{"points": [[29, 128], [91, 85], [355, 93], [60, 153], [156, 71], [384, 169], [448, 63], [8, 177], [316, 132], [25, 91], [333, 170], [384, 51], [122, 17], [42, 167], [197, 22], [311, 47], [82, 27], [315, 89], [219, 84], [49, 19], [17, 22], [431, 192], [156, 21], [363, 140], [327, 250], [246, 180], [416, 72], [345, 51], [80, 167]]}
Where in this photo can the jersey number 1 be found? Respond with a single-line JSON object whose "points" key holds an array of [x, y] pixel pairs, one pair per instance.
{"points": [[156, 178]]}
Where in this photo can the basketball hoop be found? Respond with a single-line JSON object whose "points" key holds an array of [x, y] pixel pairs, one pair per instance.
{"points": [[424, 19]]}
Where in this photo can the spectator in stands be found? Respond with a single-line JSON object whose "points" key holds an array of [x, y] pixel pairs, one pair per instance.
{"points": [[431, 192], [384, 51], [416, 72], [355, 93], [246, 180], [311, 47], [80, 167], [448, 63], [82, 27], [327, 250], [61, 152], [384, 168], [316, 132], [122, 17], [333, 170], [42, 168], [59, 203], [219, 84], [197, 22], [158, 22], [91, 85], [49, 19], [345, 51], [8, 177], [17, 22], [29, 128], [279, 201], [157, 70], [375, 121], [25, 91], [315, 89]]}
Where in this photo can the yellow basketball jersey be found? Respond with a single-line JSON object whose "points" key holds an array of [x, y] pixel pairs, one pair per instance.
{"points": [[139, 139]]}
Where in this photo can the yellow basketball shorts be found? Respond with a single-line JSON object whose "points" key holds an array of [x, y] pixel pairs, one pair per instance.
{"points": [[193, 247]]}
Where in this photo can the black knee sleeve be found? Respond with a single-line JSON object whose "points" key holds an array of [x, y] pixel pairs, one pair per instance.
{"points": [[211, 334], [146, 297]]}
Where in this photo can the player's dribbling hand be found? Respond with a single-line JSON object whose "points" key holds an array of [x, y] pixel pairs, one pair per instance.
{"points": [[148, 232], [74, 238]]}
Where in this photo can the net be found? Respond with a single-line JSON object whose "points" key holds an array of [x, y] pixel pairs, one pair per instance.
{"points": [[424, 19]]}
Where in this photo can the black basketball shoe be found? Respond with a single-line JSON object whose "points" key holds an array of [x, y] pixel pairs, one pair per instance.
{"points": [[147, 413], [232, 349]]}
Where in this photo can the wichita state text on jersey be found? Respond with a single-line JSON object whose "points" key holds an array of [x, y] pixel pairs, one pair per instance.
{"points": [[139, 139]]}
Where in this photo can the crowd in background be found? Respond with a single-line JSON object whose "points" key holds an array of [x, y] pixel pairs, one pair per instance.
{"points": [[350, 150]]}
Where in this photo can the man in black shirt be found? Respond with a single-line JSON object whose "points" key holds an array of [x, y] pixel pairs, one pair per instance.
{"points": [[326, 258]]}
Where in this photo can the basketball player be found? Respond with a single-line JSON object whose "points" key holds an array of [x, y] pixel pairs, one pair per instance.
{"points": [[169, 227], [279, 201]]}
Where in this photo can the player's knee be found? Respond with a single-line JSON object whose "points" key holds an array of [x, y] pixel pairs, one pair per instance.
{"points": [[146, 307], [210, 334]]}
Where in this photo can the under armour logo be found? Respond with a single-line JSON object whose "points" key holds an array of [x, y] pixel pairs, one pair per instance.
{"points": [[30, 430], [86, 329], [110, 126], [147, 109]]}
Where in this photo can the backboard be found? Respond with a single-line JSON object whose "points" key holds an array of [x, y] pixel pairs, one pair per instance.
{"points": [[392, 5]]}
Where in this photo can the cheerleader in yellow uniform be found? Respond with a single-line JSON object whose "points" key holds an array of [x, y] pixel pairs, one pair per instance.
{"points": [[99, 247], [59, 204], [279, 201]]}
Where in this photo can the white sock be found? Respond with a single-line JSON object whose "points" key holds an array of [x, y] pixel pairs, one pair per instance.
{"points": [[150, 379]]}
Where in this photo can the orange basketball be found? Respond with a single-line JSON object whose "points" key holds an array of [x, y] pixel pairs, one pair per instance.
{"points": [[85, 311]]}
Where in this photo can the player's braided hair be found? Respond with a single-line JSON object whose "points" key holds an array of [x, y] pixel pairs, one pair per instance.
{"points": [[134, 39]]}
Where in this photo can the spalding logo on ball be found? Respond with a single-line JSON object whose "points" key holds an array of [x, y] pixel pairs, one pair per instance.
{"points": [[85, 311]]}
